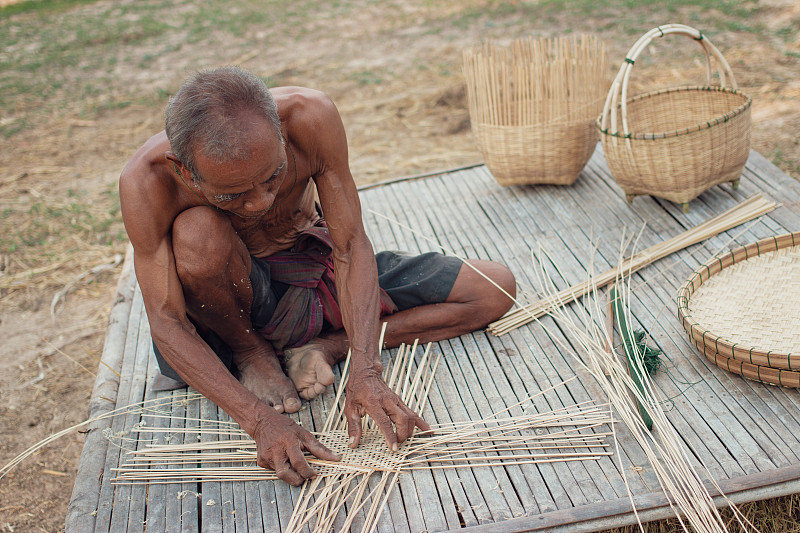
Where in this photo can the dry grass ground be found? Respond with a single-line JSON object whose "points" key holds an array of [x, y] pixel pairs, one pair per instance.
{"points": [[84, 83]]}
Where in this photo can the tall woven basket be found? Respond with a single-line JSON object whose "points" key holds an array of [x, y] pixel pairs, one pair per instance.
{"points": [[532, 106], [676, 143]]}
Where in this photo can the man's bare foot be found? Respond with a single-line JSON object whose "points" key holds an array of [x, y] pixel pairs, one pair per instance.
{"points": [[309, 366], [262, 375]]}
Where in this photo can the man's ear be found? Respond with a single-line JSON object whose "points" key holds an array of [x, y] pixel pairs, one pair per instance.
{"points": [[174, 158], [177, 165]]}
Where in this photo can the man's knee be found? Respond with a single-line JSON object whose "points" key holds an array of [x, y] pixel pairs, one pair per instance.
{"points": [[486, 299], [203, 243], [500, 299]]}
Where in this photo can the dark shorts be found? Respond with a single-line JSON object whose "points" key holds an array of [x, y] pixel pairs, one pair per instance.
{"points": [[410, 281]]}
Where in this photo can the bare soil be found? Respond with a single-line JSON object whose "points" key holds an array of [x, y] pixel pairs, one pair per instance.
{"points": [[399, 89]]}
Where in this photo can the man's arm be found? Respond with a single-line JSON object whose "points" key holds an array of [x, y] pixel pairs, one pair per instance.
{"points": [[148, 220], [356, 283]]}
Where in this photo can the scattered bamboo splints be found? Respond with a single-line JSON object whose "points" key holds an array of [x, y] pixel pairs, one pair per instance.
{"points": [[671, 460], [751, 208], [366, 475]]}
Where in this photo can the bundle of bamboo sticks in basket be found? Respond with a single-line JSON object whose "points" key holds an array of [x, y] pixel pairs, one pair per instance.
{"points": [[532, 106]]}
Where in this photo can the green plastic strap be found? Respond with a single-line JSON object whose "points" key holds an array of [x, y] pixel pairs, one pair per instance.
{"points": [[631, 352]]}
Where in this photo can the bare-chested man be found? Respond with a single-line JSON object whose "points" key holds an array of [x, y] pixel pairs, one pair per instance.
{"points": [[238, 263]]}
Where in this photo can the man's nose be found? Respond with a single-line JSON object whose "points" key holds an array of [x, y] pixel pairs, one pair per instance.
{"points": [[260, 200]]}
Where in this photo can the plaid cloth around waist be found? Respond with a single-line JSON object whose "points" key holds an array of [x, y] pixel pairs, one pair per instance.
{"points": [[310, 301]]}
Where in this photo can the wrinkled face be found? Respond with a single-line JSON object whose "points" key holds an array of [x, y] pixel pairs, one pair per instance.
{"points": [[246, 187]]}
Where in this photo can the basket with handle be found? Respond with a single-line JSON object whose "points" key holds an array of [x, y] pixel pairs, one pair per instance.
{"points": [[532, 106], [678, 142]]}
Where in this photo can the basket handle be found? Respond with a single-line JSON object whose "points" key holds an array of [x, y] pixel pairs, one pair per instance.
{"points": [[619, 88]]}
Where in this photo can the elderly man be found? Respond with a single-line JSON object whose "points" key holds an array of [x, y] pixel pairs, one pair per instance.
{"points": [[249, 248]]}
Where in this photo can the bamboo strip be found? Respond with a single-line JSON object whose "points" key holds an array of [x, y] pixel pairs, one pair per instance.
{"points": [[666, 451], [747, 210]]}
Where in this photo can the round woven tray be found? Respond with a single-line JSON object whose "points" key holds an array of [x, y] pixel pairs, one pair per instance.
{"points": [[742, 310]]}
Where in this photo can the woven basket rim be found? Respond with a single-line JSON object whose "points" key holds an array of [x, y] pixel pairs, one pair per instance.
{"points": [[650, 136], [726, 347], [760, 373]]}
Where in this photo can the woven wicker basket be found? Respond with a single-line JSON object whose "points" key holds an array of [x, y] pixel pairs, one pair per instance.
{"points": [[675, 143], [532, 106], [742, 310]]}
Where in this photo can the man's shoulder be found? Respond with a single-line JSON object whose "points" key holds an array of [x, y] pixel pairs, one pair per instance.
{"points": [[301, 107], [145, 189], [293, 97], [143, 174]]}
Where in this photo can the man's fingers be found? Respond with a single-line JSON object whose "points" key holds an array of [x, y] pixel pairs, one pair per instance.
{"points": [[385, 424], [422, 425], [318, 450], [299, 463], [354, 427], [405, 424], [284, 471]]}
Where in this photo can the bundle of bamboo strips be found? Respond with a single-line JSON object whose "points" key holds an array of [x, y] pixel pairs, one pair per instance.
{"points": [[666, 451], [753, 207], [533, 104]]}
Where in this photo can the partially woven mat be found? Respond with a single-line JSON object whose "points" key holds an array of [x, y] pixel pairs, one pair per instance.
{"points": [[371, 454], [745, 305]]}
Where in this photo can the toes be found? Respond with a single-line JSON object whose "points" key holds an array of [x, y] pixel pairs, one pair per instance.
{"points": [[291, 405], [311, 392], [307, 394], [325, 376]]}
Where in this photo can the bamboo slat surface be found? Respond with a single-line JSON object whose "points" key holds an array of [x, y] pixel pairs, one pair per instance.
{"points": [[747, 433]]}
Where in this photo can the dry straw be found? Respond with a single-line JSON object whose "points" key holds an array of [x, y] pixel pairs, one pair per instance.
{"points": [[742, 310], [675, 143], [749, 209], [532, 106]]}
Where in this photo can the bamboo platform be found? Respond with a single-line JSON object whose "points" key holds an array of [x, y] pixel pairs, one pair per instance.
{"points": [[748, 434]]}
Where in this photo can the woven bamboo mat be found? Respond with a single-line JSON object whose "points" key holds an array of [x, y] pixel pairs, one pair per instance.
{"points": [[747, 434]]}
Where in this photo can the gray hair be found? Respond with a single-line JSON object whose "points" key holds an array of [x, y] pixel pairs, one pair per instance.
{"points": [[206, 111]]}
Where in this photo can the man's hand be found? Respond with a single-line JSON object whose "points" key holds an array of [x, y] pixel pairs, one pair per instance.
{"points": [[368, 394], [280, 443]]}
